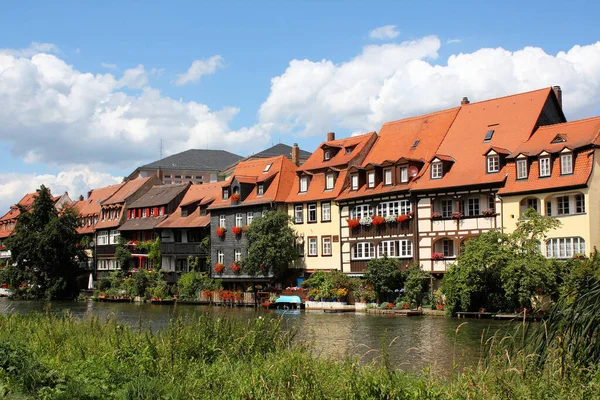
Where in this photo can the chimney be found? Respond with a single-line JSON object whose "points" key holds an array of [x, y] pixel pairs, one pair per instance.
{"points": [[80, 197], [296, 154], [465, 100], [159, 173], [330, 136], [558, 93]]}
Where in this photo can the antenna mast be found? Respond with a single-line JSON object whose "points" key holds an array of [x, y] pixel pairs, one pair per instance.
{"points": [[161, 148]]}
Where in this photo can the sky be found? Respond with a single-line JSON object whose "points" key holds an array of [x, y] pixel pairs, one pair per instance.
{"points": [[89, 89]]}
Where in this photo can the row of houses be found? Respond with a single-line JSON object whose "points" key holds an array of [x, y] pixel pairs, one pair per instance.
{"points": [[414, 191]]}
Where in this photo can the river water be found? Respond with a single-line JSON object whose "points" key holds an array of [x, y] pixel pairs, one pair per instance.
{"points": [[420, 342]]}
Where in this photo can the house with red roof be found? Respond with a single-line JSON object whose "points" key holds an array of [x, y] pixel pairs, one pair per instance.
{"points": [[311, 203], [256, 186], [555, 172]]}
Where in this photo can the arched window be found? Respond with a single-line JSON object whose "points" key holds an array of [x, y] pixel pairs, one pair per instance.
{"points": [[529, 202]]}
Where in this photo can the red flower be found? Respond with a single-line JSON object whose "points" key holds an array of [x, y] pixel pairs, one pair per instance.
{"points": [[235, 267], [378, 220], [219, 267], [245, 228], [220, 231], [236, 230], [401, 218], [235, 197], [353, 222], [437, 256]]}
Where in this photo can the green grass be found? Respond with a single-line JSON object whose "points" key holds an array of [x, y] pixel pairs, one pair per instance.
{"points": [[61, 357]]}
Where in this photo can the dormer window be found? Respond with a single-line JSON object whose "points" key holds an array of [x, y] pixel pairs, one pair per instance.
{"points": [[327, 155], [329, 181], [437, 170], [184, 211], [566, 164], [267, 168], [260, 190], [493, 163], [404, 174], [354, 182], [349, 150], [143, 213], [544, 166], [522, 169], [303, 184], [225, 194], [387, 176], [371, 179]]}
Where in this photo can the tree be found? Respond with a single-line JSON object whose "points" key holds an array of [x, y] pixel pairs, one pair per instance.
{"points": [[384, 276], [417, 281], [44, 251], [153, 249], [271, 245], [122, 254]]}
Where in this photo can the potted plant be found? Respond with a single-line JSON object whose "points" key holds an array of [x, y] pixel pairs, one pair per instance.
{"points": [[489, 213], [377, 220], [401, 218], [235, 197], [219, 268], [457, 215], [236, 230], [366, 221], [220, 231], [437, 256], [436, 215], [353, 222], [235, 267]]}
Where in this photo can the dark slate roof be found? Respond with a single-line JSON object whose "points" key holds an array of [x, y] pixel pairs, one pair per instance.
{"points": [[141, 224], [196, 160], [280, 150], [159, 195]]}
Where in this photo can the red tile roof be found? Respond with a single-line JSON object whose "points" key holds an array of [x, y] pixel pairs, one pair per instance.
{"points": [[201, 194], [282, 173], [126, 190], [513, 119], [13, 214], [91, 206], [317, 159]]}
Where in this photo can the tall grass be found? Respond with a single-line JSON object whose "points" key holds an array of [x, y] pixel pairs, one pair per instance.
{"points": [[61, 357]]}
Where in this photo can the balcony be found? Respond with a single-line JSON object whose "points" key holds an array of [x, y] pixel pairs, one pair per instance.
{"points": [[181, 248], [387, 229], [360, 266], [106, 250]]}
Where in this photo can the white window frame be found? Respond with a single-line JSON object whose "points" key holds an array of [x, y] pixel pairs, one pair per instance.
{"points": [[473, 206], [521, 169], [326, 212], [114, 236], [239, 220], [445, 210], [102, 238], [326, 249], [327, 155], [361, 211], [260, 189], [225, 194], [563, 205], [371, 179], [329, 181], [387, 176], [237, 255], [309, 209], [405, 248], [437, 170], [448, 248], [222, 221], [404, 174], [267, 168], [249, 218], [299, 213], [303, 184], [220, 257], [313, 247], [565, 247], [545, 169], [566, 164], [354, 180], [363, 251], [493, 163], [579, 202], [387, 247]]}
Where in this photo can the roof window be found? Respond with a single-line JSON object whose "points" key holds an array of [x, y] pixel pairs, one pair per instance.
{"points": [[560, 138], [327, 155], [416, 143], [349, 149], [267, 168], [488, 135]]}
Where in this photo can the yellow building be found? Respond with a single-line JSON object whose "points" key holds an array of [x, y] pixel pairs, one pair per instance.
{"points": [[311, 204], [556, 173]]}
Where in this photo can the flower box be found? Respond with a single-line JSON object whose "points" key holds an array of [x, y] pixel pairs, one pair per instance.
{"points": [[436, 215], [353, 222], [366, 221], [235, 197], [437, 256], [489, 213], [235, 267], [457, 215], [220, 232], [236, 230], [378, 220], [219, 268]]}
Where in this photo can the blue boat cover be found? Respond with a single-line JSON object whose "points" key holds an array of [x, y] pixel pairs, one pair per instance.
{"points": [[288, 299]]}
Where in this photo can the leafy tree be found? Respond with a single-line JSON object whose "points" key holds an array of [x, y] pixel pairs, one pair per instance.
{"points": [[44, 251], [192, 283], [122, 254], [417, 281], [580, 276], [271, 245], [384, 276], [205, 248], [153, 249]]}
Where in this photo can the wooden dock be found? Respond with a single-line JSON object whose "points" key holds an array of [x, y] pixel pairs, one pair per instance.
{"points": [[474, 314], [399, 313]]}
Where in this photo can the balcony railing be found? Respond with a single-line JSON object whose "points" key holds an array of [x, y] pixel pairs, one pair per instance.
{"points": [[106, 250], [387, 229], [181, 248], [360, 266]]}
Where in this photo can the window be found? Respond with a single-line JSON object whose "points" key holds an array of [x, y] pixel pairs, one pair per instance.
{"points": [[562, 203], [579, 204], [473, 206], [260, 190], [329, 181], [177, 176], [267, 168], [237, 255], [222, 221], [327, 155], [387, 177], [177, 236], [545, 166], [405, 247], [355, 182], [349, 150], [488, 135], [249, 218], [493, 163], [168, 182], [492, 203], [102, 238], [298, 214], [363, 251], [167, 176], [447, 208], [565, 247], [312, 246], [300, 247], [387, 247], [144, 213], [303, 184], [114, 236], [437, 170], [326, 245], [371, 179], [521, 169], [533, 203], [239, 220], [549, 208], [391, 208], [448, 248], [325, 212], [404, 174], [220, 257], [161, 211], [312, 213], [225, 194], [361, 211], [566, 164], [184, 211]]}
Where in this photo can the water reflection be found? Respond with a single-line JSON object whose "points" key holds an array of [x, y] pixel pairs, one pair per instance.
{"points": [[418, 342]]}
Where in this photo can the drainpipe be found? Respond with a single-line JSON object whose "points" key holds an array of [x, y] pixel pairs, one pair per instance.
{"points": [[501, 214]]}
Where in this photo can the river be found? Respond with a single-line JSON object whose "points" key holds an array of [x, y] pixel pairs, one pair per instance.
{"points": [[421, 342]]}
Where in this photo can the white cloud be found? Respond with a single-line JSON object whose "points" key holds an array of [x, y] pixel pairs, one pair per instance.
{"points": [[384, 32], [394, 81], [77, 180], [34, 48], [451, 41], [108, 66], [198, 69]]}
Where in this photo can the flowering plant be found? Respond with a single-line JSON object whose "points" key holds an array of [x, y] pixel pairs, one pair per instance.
{"points": [[235, 267], [236, 230], [391, 218], [245, 228], [133, 243], [437, 256], [207, 293], [457, 215], [341, 293], [402, 218], [235, 197], [219, 267], [353, 222], [436, 215], [489, 213], [220, 232], [378, 220], [389, 305], [366, 221]]}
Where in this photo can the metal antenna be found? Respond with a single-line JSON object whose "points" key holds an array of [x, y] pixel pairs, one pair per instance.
{"points": [[161, 148]]}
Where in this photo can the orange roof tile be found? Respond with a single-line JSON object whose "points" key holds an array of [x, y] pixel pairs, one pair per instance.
{"points": [[126, 190], [513, 119], [196, 194], [91, 206], [317, 159]]}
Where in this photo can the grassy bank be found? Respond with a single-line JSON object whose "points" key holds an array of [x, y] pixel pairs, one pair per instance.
{"points": [[60, 357]]}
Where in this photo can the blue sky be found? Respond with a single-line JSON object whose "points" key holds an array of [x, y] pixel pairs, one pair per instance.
{"points": [[118, 64]]}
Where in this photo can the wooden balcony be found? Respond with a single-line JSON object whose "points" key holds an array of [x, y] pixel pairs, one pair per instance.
{"points": [[106, 250], [387, 229], [360, 266], [180, 248]]}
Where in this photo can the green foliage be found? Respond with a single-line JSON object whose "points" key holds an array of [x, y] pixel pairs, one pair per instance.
{"points": [[138, 283], [122, 254], [44, 251], [416, 283], [153, 249], [327, 285], [160, 290], [271, 245], [192, 283], [580, 275], [205, 248], [384, 275]]}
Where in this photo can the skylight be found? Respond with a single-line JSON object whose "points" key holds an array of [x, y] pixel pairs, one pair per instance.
{"points": [[488, 135], [267, 168], [416, 143]]}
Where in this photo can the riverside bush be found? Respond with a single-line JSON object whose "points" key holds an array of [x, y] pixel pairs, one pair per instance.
{"points": [[61, 357]]}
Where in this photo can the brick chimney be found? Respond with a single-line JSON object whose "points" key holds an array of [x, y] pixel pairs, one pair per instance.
{"points": [[330, 136], [558, 93], [159, 173], [296, 154], [465, 100], [80, 197]]}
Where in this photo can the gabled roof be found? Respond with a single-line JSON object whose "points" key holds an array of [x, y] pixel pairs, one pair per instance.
{"points": [[91, 206], [280, 149], [342, 158], [196, 160], [141, 224], [125, 191], [282, 170], [160, 195], [513, 119], [25, 202], [201, 194]]}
